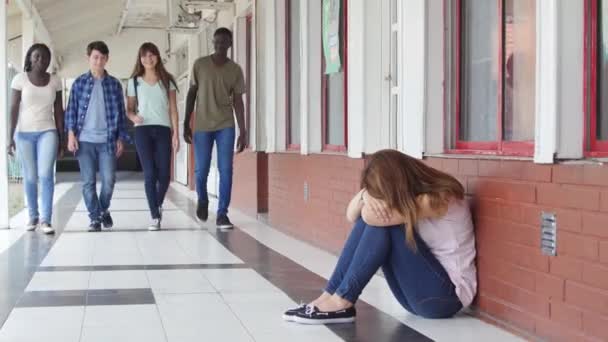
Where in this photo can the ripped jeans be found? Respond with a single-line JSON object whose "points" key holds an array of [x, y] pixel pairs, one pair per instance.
{"points": [[416, 278]]}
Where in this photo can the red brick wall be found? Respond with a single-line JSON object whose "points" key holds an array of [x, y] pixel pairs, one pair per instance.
{"points": [[332, 181], [250, 182], [564, 298]]}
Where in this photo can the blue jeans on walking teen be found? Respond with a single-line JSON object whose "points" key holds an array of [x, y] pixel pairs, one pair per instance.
{"points": [[92, 156], [38, 153], [203, 145], [153, 145], [416, 278]]}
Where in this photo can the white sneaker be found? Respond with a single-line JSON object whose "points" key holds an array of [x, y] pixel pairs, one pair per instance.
{"points": [[46, 228], [155, 225], [31, 225]]}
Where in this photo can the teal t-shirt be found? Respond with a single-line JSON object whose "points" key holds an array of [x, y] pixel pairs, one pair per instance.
{"points": [[153, 102]]}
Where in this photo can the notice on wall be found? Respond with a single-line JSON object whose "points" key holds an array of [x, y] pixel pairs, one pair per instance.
{"points": [[331, 36]]}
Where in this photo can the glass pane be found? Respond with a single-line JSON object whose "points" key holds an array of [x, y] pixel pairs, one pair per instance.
{"points": [[602, 93], [395, 59], [520, 62], [294, 67], [479, 94], [335, 95], [335, 109], [394, 13]]}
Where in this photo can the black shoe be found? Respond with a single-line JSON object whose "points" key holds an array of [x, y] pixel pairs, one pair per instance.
{"points": [[202, 210], [95, 226], [312, 315], [106, 220], [290, 314], [222, 222]]}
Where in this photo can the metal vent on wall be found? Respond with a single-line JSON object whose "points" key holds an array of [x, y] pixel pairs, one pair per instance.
{"points": [[548, 231]]}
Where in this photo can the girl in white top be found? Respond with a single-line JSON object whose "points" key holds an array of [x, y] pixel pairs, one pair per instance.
{"points": [[36, 120], [413, 222]]}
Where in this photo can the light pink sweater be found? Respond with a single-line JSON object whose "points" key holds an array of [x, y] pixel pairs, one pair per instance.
{"points": [[452, 240]]}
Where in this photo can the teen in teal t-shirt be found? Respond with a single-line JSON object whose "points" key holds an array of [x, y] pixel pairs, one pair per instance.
{"points": [[152, 101], [152, 107]]}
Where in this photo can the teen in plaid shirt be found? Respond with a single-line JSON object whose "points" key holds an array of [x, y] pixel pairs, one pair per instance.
{"points": [[95, 123]]}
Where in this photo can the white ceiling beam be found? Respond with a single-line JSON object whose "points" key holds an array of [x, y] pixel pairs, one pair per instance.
{"points": [[123, 18], [30, 11]]}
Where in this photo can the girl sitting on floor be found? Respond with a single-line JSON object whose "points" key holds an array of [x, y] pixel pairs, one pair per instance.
{"points": [[413, 222]]}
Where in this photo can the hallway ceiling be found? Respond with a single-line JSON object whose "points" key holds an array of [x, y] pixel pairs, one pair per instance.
{"points": [[75, 22]]}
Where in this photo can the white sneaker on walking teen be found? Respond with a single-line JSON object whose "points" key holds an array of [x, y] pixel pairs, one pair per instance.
{"points": [[46, 228], [155, 225], [31, 225]]}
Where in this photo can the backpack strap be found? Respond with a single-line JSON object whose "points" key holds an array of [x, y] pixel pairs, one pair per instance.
{"points": [[136, 96]]}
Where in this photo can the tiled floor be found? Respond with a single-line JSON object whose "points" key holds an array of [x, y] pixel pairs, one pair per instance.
{"points": [[189, 282]]}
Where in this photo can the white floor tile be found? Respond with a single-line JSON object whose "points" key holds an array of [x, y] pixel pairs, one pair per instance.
{"points": [[59, 281], [43, 324], [239, 280], [178, 282], [132, 279], [136, 220], [122, 193], [132, 323], [204, 248], [261, 314], [128, 204], [199, 317]]}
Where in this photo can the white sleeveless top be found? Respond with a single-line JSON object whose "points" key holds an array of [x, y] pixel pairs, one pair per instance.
{"points": [[452, 240]]}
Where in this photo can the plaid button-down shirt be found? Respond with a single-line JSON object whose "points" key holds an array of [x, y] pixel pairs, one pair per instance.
{"points": [[78, 105]]}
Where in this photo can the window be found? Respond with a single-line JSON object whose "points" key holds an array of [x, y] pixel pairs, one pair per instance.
{"points": [[495, 76], [334, 83], [597, 123], [293, 51]]}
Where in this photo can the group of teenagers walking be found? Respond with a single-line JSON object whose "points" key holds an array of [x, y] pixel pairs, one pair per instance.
{"points": [[93, 128], [410, 220]]}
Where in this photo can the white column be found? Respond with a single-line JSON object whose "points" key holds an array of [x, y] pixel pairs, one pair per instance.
{"points": [[356, 77], [304, 67], [4, 219], [413, 75], [270, 77], [546, 81], [27, 34]]}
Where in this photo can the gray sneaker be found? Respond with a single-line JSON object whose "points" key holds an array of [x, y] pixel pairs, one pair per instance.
{"points": [[95, 226], [155, 225], [46, 228]]}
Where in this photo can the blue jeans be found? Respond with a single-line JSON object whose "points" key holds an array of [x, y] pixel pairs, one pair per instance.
{"points": [[416, 278], [203, 145], [90, 157], [154, 149], [38, 153]]}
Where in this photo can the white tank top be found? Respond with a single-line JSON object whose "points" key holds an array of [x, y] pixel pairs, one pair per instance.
{"points": [[452, 240]]}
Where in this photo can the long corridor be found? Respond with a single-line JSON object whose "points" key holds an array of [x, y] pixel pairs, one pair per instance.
{"points": [[188, 282]]}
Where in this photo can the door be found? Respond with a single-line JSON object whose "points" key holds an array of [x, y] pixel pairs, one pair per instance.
{"points": [[181, 157], [391, 18]]}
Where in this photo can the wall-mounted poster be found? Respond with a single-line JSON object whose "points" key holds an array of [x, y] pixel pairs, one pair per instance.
{"points": [[331, 35]]}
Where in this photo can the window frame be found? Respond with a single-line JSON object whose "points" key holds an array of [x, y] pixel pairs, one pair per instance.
{"points": [[499, 147], [324, 84], [290, 146], [593, 146], [248, 74]]}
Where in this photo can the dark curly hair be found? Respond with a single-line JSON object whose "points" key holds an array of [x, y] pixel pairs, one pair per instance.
{"points": [[27, 66]]}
